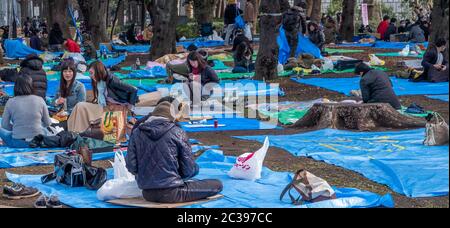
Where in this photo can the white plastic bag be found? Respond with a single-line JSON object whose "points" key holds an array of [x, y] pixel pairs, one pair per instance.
{"points": [[248, 32], [123, 186], [405, 51], [375, 61], [249, 165], [328, 64]]}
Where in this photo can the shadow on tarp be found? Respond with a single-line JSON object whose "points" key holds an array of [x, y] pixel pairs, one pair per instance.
{"points": [[401, 86], [263, 193], [397, 159]]}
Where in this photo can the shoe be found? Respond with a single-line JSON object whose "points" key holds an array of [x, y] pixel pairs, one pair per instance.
{"points": [[54, 202], [41, 202], [19, 191]]}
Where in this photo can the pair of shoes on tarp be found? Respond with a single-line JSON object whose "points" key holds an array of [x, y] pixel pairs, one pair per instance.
{"points": [[415, 109], [19, 191], [48, 202]]}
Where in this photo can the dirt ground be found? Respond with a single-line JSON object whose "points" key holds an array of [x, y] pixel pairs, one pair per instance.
{"points": [[280, 160]]}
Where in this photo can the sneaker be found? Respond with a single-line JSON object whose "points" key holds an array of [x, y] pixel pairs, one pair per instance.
{"points": [[41, 202], [54, 202], [19, 191]]}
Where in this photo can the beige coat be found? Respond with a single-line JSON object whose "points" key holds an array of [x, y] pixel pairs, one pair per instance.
{"points": [[249, 14]]}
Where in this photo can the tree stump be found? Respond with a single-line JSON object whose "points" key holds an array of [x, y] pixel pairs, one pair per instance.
{"points": [[361, 117]]}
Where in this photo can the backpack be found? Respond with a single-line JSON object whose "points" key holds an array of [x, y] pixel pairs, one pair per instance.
{"points": [[70, 170], [311, 188]]}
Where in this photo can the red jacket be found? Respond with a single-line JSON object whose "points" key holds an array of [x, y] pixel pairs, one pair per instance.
{"points": [[382, 28], [72, 46]]}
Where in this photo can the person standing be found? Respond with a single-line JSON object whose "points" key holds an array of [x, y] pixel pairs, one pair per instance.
{"points": [[231, 12], [383, 27], [249, 16]]}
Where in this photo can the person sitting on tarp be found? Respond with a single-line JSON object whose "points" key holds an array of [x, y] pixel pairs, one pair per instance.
{"points": [[161, 158], [294, 22], [402, 28], [376, 86], [71, 46], [131, 35], [181, 68], [25, 116], [148, 34], [330, 31], [243, 58], [383, 26], [201, 76], [90, 52], [316, 35], [434, 63], [35, 41], [70, 91], [31, 66], [56, 39], [110, 94], [391, 30], [44, 40], [417, 35]]}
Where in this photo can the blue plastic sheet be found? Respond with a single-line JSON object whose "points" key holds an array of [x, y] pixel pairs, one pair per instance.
{"points": [[383, 45], [132, 48], [154, 72], [15, 49], [263, 193], [110, 62], [304, 46], [201, 44], [52, 87], [231, 124], [439, 97], [397, 159], [401, 86]]}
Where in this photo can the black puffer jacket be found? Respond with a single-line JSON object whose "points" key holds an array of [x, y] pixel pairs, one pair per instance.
{"points": [[376, 87], [159, 155], [31, 66], [120, 91]]}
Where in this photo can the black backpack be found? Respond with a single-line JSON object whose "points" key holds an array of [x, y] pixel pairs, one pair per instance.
{"points": [[70, 170]]}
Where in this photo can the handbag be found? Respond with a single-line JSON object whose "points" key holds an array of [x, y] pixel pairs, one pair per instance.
{"points": [[70, 170], [239, 21], [436, 131], [311, 188]]}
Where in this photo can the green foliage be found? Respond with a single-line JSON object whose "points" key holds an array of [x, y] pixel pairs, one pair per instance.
{"points": [[191, 30], [335, 7]]}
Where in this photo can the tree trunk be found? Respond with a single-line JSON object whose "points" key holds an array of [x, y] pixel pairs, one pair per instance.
{"points": [[267, 60], [58, 13], [107, 14], [203, 11], [373, 10], [143, 11], [316, 14], [94, 13], [365, 117], [310, 4], [439, 23], [119, 7], [121, 13], [24, 11], [348, 20], [165, 16]]}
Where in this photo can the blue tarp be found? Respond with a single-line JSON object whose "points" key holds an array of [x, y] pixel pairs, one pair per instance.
{"points": [[397, 159], [439, 97], [232, 124], [52, 87], [110, 62], [401, 86], [201, 44], [132, 48], [263, 193], [15, 49], [14, 158], [304, 46], [154, 72], [383, 44]]}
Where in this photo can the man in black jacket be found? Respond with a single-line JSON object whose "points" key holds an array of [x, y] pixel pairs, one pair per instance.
{"points": [[161, 158], [31, 66], [376, 87], [294, 22]]}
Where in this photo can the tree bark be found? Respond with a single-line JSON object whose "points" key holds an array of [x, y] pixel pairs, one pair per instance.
{"points": [[58, 13], [119, 7], [439, 23], [121, 13], [107, 14], [316, 14], [348, 20], [365, 117], [203, 11], [24, 10], [267, 60], [143, 11], [164, 14], [94, 13], [284, 5], [310, 4], [373, 10]]}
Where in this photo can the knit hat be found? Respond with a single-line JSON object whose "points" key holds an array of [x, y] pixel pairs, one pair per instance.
{"points": [[166, 110]]}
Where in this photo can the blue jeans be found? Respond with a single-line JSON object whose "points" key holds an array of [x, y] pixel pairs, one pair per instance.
{"points": [[9, 141], [241, 69]]}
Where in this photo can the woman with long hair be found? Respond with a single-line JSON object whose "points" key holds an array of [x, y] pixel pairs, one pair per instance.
{"points": [[70, 92]]}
